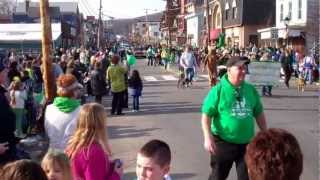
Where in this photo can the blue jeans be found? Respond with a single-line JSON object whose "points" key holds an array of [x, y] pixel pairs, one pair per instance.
{"points": [[189, 74], [308, 75], [150, 60], [135, 102]]}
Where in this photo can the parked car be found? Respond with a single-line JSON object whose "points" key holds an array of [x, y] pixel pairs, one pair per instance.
{"points": [[139, 52]]}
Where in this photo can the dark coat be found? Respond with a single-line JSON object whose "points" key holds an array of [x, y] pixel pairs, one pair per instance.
{"points": [[135, 87], [98, 83], [7, 127]]}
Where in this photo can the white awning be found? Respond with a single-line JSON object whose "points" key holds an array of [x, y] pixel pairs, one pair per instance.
{"points": [[280, 32], [26, 32]]}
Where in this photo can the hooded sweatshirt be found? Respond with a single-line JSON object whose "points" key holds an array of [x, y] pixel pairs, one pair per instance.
{"points": [[233, 111]]}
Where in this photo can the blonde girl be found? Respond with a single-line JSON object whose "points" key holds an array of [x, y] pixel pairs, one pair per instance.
{"points": [[88, 148], [56, 165], [17, 100]]}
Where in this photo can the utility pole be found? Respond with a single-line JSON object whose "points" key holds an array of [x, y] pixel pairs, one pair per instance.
{"points": [[207, 22], [99, 41], [46, 35], [147, 26], [169, 19]]}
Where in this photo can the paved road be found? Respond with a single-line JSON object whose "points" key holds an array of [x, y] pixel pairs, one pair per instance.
{"points": [[172, 115]]}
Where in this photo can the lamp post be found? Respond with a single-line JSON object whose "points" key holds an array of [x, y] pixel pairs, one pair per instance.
{"points": [[286, 23]]}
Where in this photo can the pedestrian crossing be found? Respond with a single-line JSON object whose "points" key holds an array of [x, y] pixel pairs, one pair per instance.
{"points": [[161, 78]]}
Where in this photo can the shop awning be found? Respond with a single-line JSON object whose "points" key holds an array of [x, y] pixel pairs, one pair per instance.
{"points": [[280, 32], [214, 34], [26, 32]]}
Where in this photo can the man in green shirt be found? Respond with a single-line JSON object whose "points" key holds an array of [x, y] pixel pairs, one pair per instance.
{"points": [[228, 115]]}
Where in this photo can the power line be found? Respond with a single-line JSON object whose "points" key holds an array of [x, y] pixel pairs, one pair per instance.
{"points": [[88, 11], [88, 6], [84, 9]]}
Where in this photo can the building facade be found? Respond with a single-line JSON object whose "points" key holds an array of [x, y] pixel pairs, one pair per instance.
{"points": [[65, 13], [181, 37], [242, 18], [297, 25], [169, 22], [215, 19], [147, 32], [195, 21]]}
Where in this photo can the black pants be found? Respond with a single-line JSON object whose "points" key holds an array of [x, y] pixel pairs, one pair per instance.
{"points": [[117, 102], [287, 75], [227, 154], [125, 103]]}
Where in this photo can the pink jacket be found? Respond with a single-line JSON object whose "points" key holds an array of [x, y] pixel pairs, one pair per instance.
{"points": [[91, 163]]}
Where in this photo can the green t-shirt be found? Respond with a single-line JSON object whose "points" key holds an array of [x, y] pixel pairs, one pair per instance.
{"points": [[233, 111]]}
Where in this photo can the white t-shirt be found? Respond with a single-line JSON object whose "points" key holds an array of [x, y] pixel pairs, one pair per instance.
{"points": [[187, 60], [20, 96], [308, 60], [60, 126]]}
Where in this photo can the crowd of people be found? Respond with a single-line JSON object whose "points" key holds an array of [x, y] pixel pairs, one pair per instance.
{"points": [[76, 131]]}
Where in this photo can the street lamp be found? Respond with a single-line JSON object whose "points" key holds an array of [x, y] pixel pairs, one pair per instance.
{"points": [[286, 23]]}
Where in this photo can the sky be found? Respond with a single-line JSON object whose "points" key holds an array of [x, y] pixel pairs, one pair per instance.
{"points": [[116, 8], [122, 8]]}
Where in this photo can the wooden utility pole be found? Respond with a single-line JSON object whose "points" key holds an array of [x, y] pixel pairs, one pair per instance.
{"points": [[169, 19], [207, 21], [99, 41], [46, 50]]}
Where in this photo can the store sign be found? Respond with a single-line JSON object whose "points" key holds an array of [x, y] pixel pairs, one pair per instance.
{"points": [[263, 73], [274, 33]]}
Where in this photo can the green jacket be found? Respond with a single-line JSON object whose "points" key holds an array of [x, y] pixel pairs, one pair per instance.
{"points": [[233, 111], [116, 76]]}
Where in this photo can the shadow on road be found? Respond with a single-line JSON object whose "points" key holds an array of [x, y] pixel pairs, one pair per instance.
{"points": [[175, 176], [116, 132], [293, 96], [290, 109], [153, 108]]}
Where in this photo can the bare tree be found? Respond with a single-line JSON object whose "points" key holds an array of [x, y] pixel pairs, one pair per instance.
{"points": [[6, 7]]}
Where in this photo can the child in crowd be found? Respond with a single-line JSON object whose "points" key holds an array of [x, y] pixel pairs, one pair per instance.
{"points": [[56, 165], [22, 170], [17, 100], [135, 89], [274, 154], [88, 149], [153, 161]]}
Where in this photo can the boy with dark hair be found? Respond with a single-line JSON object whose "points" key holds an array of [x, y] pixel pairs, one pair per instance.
{"points": [[153, 161]]}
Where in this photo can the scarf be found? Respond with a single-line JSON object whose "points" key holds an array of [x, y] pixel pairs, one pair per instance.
{"points": [[66, 104]]}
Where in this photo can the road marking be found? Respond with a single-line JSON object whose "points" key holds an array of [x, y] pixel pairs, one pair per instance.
{"points": [[169, 78], [150, 78], [204, 76]]}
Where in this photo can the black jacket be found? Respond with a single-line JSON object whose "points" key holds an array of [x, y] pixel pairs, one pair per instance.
{"points": [[98, 83], [7, 127]]}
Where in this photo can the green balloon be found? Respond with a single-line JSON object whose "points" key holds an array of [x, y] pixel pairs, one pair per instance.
{"points": [[131, 60]]}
